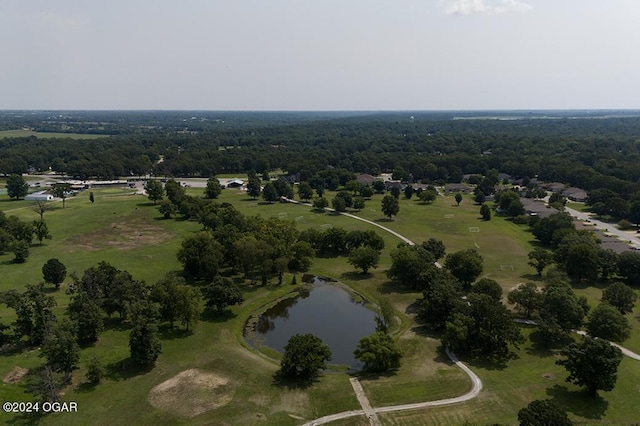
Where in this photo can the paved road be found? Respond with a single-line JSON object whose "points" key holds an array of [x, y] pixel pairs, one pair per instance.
{"points": [[609, 228]]}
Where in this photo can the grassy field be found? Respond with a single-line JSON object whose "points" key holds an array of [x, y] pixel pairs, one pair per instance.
{"points": [[212, 377], [46, 135]]}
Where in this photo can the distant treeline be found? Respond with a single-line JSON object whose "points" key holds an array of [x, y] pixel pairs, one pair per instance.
{"points": [[588, 153]]}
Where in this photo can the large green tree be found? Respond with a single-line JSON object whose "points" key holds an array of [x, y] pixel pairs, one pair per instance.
{"points": [[222, 293], [85, 312], [200, 256], [304, 356], [154, 190], [526, 297], [621, 296], [539, 259], [465, 265], [364, 258], [16, 186], [144, 344], [543, 413], [378, 352], [390, 206], [606, 322], [54, 272], [61, 348], [592, 363], [213, 188]]}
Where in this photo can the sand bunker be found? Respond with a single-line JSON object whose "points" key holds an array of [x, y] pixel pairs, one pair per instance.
{"points": [[15, 375], [191, 393]]}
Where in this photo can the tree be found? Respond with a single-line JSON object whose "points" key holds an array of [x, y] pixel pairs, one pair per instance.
{"points": [[465, 265], [435, 247], [582, 262], [254, 188], [61, 190], [489, 287], [34, 312], [411, 266], [175, 192], [213, 188], [620, 296], [305, 192], [154, 190], [91, 197], [607, 262], [378, 186], [606, 322], [20, 251], [561, 311], [395, 192], [339, 204], [95, 370], [188, 308], [61, 349], [408, 192], [543, 413], [41, 231], [589, 356], [428, 196], [629, 266], [54, 272], [358, 203], [85, 312], [320, 204], [223, 292], [479, 197], [40, 207], [144, 345], [390, 206], [366, 192], [378, 352], [165, 293], [304, 355], [485, 212], [441, 298], [200, 256], [364, 258], [458, 198], [269, 192], [539, 259], [544, 229], [167, 208], [16, 186], [526, 297], [482, 327]]}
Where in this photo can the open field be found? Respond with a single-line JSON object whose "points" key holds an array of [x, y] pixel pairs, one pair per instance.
{"points": [[212, 377], [47, 135]]}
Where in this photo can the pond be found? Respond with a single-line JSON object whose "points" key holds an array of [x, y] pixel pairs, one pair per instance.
{"points": [[324, 310]]}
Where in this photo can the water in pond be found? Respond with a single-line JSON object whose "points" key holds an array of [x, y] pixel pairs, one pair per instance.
{"points": [[326, 311]]}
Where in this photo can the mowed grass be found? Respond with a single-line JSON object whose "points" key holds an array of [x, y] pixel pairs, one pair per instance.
{"points": [[47, 135], [126, 230]]}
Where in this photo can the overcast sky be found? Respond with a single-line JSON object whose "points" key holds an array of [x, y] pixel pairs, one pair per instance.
{"points": [[320, 54]]}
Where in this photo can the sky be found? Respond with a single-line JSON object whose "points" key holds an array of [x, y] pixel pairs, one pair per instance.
{"points": [[320, 54]]}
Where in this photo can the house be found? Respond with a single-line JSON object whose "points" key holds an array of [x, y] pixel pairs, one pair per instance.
{"points": [[39, 196], [537, 208], [366, 179], [390, 184], [554, 186], [235, 183], [457, 187], [505, 177], [576, 194]]}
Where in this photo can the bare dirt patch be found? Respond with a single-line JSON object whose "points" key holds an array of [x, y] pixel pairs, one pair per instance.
{"points": [[549, 376], [124, 235], [15, 375], [191, 393]]}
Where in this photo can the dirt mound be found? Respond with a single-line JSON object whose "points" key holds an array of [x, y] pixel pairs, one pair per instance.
{"points": [[191, 393], [15, 375]]}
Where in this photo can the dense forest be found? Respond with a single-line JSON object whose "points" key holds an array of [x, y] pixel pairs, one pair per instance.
{"points": [[592, 150]]}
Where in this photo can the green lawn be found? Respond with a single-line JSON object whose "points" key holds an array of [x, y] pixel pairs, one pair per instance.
{"points": [[126, 230]]}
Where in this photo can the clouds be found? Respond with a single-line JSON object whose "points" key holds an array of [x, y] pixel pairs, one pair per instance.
{"points": [[488, 7]]}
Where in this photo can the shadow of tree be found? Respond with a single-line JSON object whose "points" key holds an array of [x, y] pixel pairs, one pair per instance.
{"points": [[218, 316], [388, 287], [578, 402], [355, 276], [169, 333], [542, 346], [281, 381], [125, 369]]}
